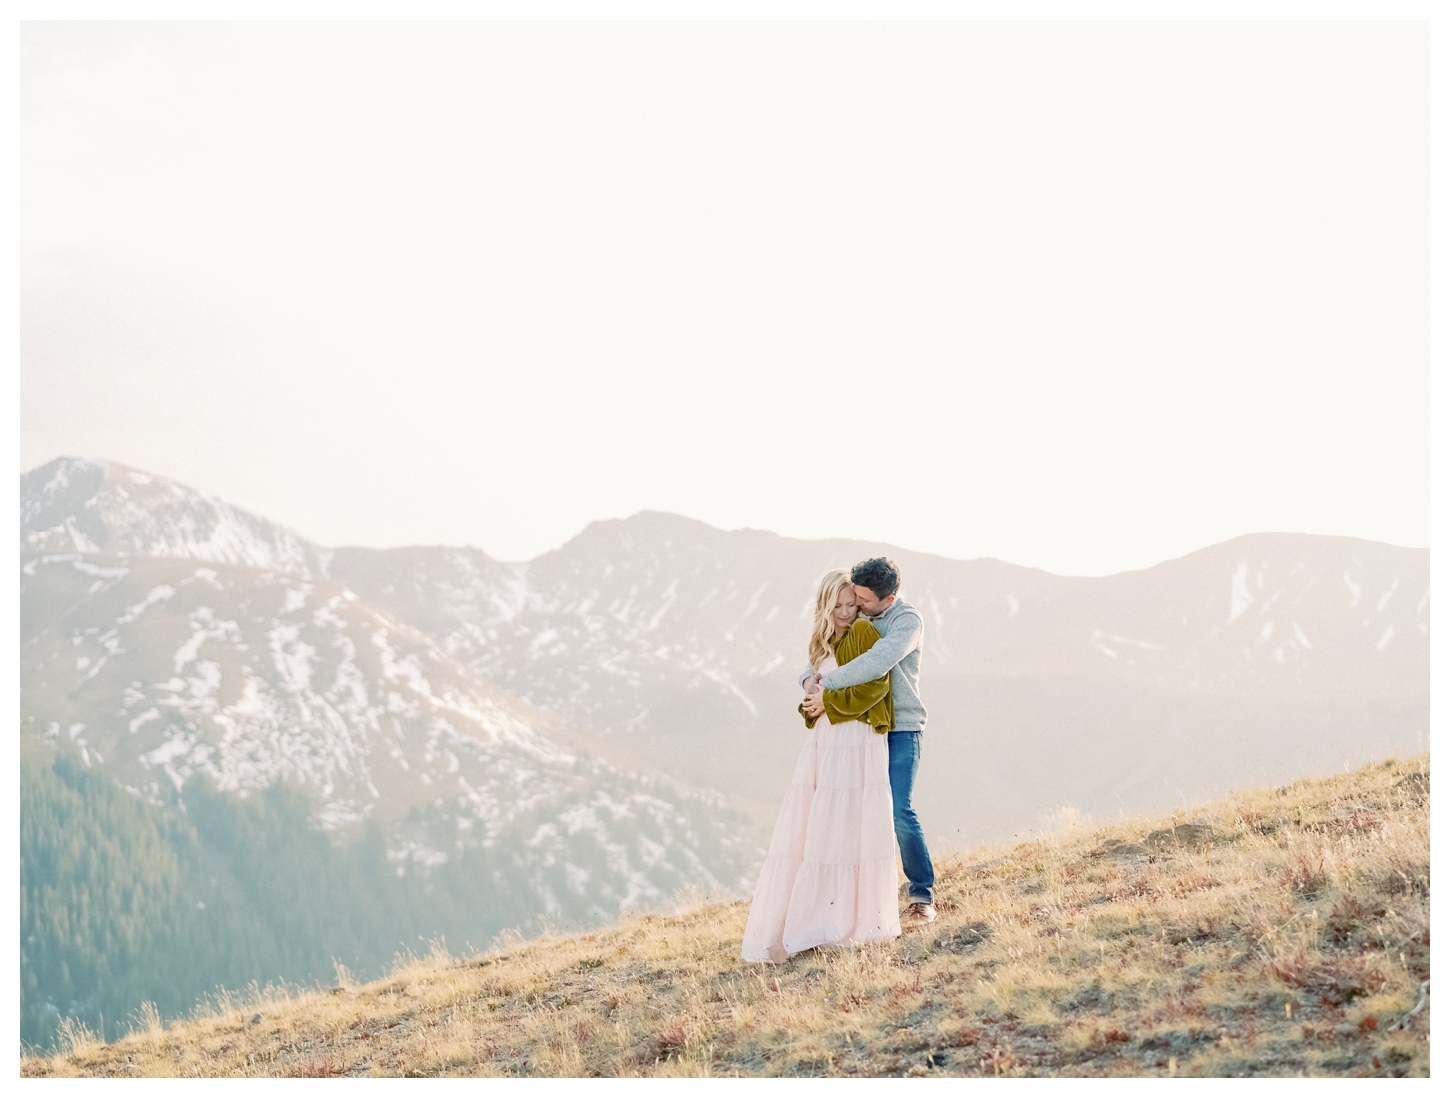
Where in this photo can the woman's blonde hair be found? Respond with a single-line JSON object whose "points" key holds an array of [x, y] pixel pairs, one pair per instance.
{"points": [[823, 628]]}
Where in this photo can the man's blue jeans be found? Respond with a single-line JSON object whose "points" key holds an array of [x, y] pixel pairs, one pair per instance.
{"points": [[904, 749]]}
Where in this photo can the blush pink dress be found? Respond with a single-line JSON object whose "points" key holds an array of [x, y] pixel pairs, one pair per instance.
{"points": [[830, 876]]}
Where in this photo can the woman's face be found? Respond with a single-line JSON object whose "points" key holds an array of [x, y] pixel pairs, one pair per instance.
{"points": [[845, 612]]}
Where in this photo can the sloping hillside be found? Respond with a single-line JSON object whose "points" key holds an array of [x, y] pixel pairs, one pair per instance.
{"points": [[1279, 932]]}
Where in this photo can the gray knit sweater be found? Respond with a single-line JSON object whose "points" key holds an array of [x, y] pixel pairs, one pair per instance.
{"points": [[898, 650]]}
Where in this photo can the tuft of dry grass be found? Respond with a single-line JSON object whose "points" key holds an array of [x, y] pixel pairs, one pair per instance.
{"points": [[1289, 935]]}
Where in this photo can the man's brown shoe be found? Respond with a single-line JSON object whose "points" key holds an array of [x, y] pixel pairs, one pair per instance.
{"points": [[918, 914]]}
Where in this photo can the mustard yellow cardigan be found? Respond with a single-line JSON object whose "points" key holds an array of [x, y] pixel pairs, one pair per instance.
{"points": [[869, 702]]}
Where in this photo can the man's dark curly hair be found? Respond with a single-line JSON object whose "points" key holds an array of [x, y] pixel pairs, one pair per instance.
{"points": [[879, 574]]}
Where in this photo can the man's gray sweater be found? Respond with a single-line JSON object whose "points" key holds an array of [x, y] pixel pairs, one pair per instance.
{"points": [[898, 650]]}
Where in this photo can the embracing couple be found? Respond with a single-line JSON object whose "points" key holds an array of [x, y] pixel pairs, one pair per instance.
{"points": [[830, 876]]}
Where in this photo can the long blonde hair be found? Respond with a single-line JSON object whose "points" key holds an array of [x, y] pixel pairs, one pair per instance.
{"points": [[823, 627]]}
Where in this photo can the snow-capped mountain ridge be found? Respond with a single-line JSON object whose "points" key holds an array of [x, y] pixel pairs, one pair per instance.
{"points": [[97, 507], [663, 633], [690, 638]]}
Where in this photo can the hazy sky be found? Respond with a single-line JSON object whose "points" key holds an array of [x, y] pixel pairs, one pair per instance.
{"points": [[1080, 296]]}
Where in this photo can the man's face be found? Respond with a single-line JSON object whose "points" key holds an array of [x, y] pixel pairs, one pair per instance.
{"points": [[869, 603]]}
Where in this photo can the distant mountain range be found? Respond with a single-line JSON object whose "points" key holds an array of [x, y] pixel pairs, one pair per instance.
{"points": [[168, 636], [1262, 658], [1258, 659]]}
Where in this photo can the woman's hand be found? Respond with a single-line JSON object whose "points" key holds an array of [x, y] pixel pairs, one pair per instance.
{"points": [[814, 704]]}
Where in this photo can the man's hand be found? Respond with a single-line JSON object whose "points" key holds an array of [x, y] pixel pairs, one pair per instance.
{"points": [[813, 684], [814, 704]]}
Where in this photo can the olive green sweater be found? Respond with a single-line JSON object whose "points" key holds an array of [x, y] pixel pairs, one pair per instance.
{"points": [[869, 702]]}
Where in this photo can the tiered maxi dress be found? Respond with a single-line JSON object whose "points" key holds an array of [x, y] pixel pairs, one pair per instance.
{"points": [[830, 876]]}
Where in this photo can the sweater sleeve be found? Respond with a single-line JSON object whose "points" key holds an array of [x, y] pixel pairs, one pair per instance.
{"points": [[899, 639], [852, 702]]}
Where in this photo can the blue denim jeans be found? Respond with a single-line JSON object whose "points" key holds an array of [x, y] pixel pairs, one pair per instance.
{"points": [[904, 749]]}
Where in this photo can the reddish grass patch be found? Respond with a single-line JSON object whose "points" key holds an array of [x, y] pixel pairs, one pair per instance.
{"points": [[1350, 913], [1304, 878], [1337, 979], [674, 1035]]}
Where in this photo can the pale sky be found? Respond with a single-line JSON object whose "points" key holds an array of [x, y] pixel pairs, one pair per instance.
{"points": [[1078, 296]]}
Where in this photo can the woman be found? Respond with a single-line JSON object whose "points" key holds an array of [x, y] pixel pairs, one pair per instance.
{"points": [[830, 876]]}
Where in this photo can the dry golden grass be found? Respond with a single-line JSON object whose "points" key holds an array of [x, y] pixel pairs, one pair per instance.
{"points": [[1293, 945]]}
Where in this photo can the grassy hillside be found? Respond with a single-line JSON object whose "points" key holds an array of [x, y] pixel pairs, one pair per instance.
{"points": [[124, 901], [1287, 935]]}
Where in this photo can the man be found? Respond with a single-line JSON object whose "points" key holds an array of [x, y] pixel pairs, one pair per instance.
{"points": [[898, 651]]}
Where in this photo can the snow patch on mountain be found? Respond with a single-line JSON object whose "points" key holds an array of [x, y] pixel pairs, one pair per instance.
{"points": [[246, 678]]}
